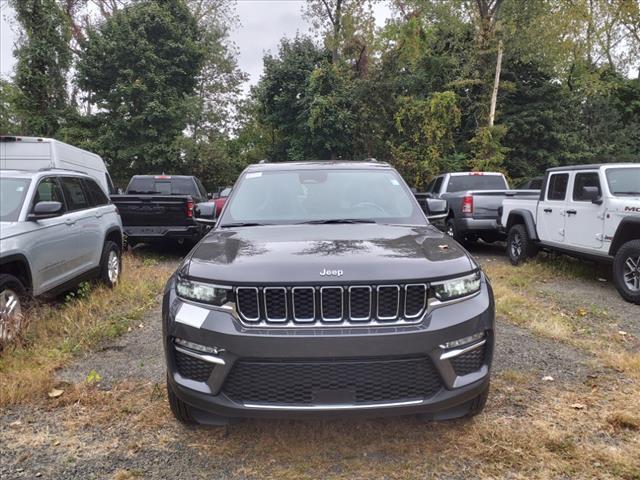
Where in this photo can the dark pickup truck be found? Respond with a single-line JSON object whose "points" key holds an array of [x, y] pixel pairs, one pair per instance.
{"points": [[161, 207]]}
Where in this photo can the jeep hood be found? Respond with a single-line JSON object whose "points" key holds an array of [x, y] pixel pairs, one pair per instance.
{"points": [[289, 254]]}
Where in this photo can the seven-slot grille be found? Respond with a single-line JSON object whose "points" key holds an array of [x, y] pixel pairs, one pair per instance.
{"points": [[332, 305]]}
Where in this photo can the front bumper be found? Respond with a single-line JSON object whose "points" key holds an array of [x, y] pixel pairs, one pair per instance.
{"points": [[235, 343]]}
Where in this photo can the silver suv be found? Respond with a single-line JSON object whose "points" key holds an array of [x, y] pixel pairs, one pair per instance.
{"points": [[57, 228]]}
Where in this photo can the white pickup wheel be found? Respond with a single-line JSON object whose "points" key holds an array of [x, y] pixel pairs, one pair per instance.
{"points": [[626, 271], [520, 247]]}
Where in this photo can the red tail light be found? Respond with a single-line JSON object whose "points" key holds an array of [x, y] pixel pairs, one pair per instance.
{"points": [[467, 205], [189, 211]]}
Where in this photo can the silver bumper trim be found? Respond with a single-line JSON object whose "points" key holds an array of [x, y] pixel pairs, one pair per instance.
{"points": [[460, 351], [205, 357], [339, 406]]}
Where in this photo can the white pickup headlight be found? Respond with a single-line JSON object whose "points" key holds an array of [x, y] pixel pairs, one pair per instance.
{"points": [[456, 287], [201, 292]]}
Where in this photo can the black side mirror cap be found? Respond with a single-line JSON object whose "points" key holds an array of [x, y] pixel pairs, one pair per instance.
{"points": [[205, 213]]}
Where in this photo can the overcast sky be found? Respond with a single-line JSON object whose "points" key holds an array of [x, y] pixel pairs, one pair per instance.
{"points": [[262, 24]]}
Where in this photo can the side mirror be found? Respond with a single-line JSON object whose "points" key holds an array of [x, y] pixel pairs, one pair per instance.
{"points": [[205, 213], [436, 208], [593, 194], [42, 210]]}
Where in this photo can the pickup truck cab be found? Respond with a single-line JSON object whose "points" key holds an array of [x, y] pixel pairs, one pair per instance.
{"points": [[590, 211], [474, 199], [155, 208], [324, 290], [57, 228]]}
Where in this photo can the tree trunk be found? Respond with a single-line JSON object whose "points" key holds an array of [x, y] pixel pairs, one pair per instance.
{"points": [[496, 84]]}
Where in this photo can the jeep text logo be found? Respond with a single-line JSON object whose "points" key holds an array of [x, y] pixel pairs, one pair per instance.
{"points": [[632, 209], [331, 273]]}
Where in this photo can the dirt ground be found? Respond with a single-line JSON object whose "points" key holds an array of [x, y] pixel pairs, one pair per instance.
{"points": [[120, 427]]}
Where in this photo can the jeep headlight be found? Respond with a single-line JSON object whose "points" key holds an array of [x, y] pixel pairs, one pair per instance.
{"points": [[456, 287], [201, 292]]}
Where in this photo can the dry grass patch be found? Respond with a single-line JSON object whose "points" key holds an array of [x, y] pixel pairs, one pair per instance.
{"points": [[57, 331], [520, 302]]}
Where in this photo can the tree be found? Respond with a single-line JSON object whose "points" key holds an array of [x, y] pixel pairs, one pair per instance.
{"points": [[283, 103], [140, 68], [43, 60], [426, 146], [9, 123]]}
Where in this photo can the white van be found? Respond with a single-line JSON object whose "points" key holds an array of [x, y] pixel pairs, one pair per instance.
{"points": [[35, 153]]}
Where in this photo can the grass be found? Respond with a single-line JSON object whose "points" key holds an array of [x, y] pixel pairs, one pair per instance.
{"points": [[57, 332], [521, 301]]}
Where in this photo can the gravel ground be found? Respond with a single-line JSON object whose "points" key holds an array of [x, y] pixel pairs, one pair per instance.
{"points": [[64, 440]]}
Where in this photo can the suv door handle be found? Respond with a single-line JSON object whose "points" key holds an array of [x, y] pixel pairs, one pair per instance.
{"points": [[548, 210], [571, 212], [99, 214], [68, 221]]}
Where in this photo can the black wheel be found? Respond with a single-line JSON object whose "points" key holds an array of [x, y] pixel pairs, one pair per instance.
{"points": [[478, 403], [110, 264], [626, 271], [452, 231], [519, 245], [13, 295], [179, 409]]}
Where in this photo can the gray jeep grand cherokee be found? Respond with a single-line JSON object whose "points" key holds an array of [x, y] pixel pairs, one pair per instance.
{"points": [[324, 290]]}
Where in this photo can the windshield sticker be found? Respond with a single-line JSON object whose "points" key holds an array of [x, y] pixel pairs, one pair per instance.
{"points": [[253, 175], [395, 182]]}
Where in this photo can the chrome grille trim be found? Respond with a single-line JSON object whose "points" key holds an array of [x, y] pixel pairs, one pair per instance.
{"points": [[388, 317], [239, 307], [424, 299], [296, 318], [323, 319], [360, 319], [266, 308], [330, 319]]}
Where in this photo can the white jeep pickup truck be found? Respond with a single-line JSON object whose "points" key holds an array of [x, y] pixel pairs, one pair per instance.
{"points": [[588, 211]]}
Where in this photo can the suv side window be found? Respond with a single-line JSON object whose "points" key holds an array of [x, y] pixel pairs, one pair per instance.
{"points": [[74, 193], [48, 191], [96, 195], [585, 179], [557, 189]]}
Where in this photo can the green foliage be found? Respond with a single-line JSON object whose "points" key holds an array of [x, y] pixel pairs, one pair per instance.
{"points": [[426, 135], [487, 151], [8, 114], [140, 69], [43, 60]]}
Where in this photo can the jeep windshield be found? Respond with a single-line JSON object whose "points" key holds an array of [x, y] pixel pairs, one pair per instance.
{"points": [[12, 193], [321, 196], [624, 181]]}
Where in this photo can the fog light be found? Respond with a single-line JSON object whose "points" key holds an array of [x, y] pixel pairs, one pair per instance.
{"points": [[197, 347], [463, 341]]}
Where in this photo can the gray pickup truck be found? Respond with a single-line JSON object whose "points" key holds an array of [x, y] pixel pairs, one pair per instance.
{"points": [[474, 199]]}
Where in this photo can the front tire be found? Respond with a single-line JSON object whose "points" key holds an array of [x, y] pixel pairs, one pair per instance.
{"points": [[626, 271], [12, 298], [180, 410], [110, 264], [519, 246]]}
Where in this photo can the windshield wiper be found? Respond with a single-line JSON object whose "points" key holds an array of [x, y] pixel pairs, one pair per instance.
{"points": [[244, 224], [338, 220], [626, 193]]}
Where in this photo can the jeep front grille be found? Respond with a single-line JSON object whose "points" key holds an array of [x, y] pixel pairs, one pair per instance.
{"points": [[387, 304]]}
